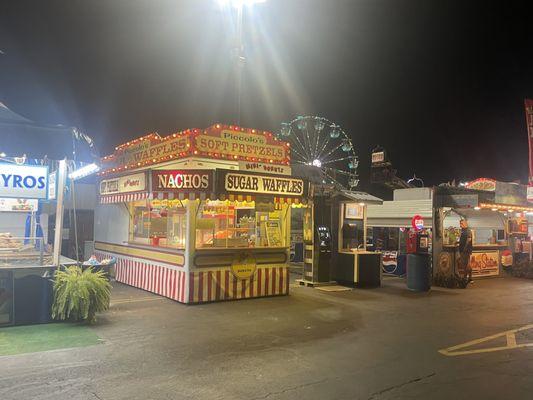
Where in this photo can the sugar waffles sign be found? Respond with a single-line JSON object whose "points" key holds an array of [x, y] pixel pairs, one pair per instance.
{"points": [[263, 184]]}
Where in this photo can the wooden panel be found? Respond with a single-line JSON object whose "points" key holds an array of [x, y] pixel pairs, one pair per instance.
{"points": [[169, 257], [223, 259]]}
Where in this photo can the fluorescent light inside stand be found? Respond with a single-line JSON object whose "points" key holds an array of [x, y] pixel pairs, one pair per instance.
{"points": [[84, 171]]}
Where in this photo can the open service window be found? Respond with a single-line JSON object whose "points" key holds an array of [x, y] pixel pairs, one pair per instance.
{"points": [[231, 224], [158, 223]]}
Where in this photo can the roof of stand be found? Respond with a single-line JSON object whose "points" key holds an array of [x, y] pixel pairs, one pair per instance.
{"points": [[361, 197]]}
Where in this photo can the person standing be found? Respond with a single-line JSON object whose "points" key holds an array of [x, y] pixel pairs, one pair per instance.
{"points": [[465, 249]]}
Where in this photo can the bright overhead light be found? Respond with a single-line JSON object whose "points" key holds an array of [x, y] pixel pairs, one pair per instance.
{"points": [[84, 171], [2, 154], [238, 3], [317, 163]]}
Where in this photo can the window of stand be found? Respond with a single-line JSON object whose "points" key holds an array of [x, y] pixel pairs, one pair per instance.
{"points": [[225, 224], [160, 223], [352, 227]]}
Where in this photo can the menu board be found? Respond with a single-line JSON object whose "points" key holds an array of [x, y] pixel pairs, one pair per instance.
{"points": [[354, 211], [21, 205], [273, 233]]}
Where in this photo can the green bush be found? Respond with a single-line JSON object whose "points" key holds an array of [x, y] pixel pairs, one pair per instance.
{"points": [[79, 295]]}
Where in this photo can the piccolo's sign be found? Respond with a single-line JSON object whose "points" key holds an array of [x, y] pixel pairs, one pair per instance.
{"points": [[124, 184], [174, 180], [227, 142], [217, 142], [235, 182]]}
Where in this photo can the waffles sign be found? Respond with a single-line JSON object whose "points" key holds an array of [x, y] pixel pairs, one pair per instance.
{"points": [[148, 150]]}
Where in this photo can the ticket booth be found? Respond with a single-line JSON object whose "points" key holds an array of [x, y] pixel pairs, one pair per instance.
{"points": [[354, 264]]}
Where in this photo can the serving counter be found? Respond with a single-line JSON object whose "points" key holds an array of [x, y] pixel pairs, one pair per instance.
{"points": [[26, 293], [484, 260], [362, 268]]}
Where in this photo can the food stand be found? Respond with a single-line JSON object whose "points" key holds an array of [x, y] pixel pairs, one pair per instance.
{"points": [[26, 260], [199, 215], [354, 264], [33, 171], [497, 216], [489, 239]]}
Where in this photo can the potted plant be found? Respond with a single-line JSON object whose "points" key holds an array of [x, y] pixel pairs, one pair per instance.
{"points": [[79, 295]]}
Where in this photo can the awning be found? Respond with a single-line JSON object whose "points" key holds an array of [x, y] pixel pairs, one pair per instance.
{"points": [[399, 213], [477, 219], [360, 197], [123, 197], [193, 195], [129, 197], [276, 200]]}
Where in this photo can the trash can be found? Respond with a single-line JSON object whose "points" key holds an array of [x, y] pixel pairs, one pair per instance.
{"points": [[418, 272]]}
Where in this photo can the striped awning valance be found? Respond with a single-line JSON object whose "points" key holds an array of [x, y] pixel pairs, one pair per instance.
{"points": [[123, 197], [277, 200], [129, 197], [182, 195]]}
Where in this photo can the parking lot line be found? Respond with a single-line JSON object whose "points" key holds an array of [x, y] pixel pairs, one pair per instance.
{"points": [[510, 335]]}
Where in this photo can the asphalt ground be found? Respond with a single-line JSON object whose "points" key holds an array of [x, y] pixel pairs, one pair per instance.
{"points": [[385, 343]]}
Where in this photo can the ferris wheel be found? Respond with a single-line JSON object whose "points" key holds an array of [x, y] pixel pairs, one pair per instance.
{"points": [[320, 143]]}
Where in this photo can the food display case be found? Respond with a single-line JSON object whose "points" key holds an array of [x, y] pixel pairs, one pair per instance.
{"points": [[17, 251]]}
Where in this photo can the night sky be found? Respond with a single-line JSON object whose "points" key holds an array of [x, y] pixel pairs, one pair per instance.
{"points": [[439, 84]]}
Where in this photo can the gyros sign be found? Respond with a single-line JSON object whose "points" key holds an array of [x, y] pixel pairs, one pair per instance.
{"points": [[23, 181]]}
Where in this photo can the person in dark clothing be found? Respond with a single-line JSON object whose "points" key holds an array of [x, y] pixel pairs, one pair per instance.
{"points": [[465, 249]]}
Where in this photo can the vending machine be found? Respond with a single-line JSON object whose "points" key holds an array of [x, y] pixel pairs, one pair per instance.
{"points": [[417, 242], [318, 242]]}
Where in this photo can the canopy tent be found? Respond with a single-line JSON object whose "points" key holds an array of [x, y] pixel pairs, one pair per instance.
{"points": [[21, 136]]}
